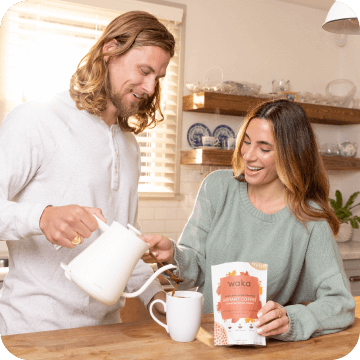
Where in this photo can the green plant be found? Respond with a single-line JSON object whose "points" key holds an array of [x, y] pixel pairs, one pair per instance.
{"points": [[343, 213]]}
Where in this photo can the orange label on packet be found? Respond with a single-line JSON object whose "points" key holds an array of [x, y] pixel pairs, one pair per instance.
{"points": [[239, 297]]}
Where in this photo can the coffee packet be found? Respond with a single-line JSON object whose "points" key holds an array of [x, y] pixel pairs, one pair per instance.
{"points": [[239, 292]]}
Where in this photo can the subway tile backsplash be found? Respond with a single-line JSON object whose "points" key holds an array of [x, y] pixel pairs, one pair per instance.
{"points": [[168, 218]]}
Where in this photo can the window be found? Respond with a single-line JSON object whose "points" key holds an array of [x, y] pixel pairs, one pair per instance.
{"points": [[41, 44]]}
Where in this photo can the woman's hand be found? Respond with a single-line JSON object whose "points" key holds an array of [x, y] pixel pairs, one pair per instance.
{"points": [[161, 247], [272, 320]]}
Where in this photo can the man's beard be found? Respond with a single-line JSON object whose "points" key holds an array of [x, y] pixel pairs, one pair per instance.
{"points": [[124, 110]]}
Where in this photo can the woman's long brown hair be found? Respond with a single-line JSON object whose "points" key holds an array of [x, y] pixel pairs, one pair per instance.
{"points": [[298, 162], [89, 84]]}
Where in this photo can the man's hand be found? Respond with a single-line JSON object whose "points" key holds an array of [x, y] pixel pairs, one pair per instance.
{"points": [[158, 308], [161, 247], [61, 224]]}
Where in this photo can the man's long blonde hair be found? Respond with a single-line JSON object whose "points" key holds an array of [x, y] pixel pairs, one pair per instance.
{"points": [[89, 84]]}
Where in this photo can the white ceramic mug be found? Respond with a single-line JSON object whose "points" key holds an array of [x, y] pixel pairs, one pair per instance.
{"points": [[209, 141], [183, 314]]}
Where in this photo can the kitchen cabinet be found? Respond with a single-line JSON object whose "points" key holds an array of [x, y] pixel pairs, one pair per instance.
{"points": [[350, 253], [352, 270], [208, 102]]}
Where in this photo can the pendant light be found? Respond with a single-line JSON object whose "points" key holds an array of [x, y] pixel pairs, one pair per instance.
{"points": [[343, 17]]}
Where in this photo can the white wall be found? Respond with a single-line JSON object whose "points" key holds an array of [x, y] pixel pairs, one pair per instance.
{"points": [[257, 41]]}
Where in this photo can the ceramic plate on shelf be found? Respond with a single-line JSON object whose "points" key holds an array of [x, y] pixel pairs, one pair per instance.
{"points": [[195, 134], [223, 132]]}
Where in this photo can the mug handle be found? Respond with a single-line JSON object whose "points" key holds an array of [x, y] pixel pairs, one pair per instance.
{"points": [[154, 317]]}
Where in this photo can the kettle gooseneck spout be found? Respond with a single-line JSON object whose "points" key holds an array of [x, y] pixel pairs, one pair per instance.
{"points": [[149, 281]]}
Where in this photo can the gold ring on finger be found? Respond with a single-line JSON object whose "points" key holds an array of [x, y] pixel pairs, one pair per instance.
{"points": [[280, 313], [77, 240]]}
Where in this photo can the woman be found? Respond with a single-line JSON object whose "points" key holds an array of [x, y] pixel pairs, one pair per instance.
{"points": [[272, 208]]}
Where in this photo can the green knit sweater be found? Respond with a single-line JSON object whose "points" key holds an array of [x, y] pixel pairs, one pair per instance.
{"points": [[303, 264]]}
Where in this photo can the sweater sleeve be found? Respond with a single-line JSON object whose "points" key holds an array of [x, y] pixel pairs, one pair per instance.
{"points": [[324, 283], [21, 155], [190, 253]]}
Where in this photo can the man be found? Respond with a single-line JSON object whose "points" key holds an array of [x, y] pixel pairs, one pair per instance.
{"points": [[71, 157]]}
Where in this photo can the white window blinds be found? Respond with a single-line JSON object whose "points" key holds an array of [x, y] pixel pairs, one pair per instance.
{"points": [[41, 44]]}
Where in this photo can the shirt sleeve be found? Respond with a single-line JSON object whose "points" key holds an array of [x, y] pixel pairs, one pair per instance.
{"points": [[21, 155], [324, 284]]}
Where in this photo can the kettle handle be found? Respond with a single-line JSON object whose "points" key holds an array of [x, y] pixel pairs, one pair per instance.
{"points": [[149, 281], [102, 226]]}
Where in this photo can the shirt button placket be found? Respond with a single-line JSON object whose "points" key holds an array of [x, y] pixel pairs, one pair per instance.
{"points": [[115, 172]]}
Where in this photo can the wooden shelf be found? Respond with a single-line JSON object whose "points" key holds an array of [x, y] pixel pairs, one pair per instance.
{"points": [[341, 163], [217, 103], [206, 157], [223, 158]]}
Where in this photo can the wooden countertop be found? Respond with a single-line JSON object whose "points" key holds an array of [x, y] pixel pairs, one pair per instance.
{"points": [[148, 340]]}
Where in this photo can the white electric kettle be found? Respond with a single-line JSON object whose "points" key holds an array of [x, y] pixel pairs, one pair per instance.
{"points": [[103, 269]]}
